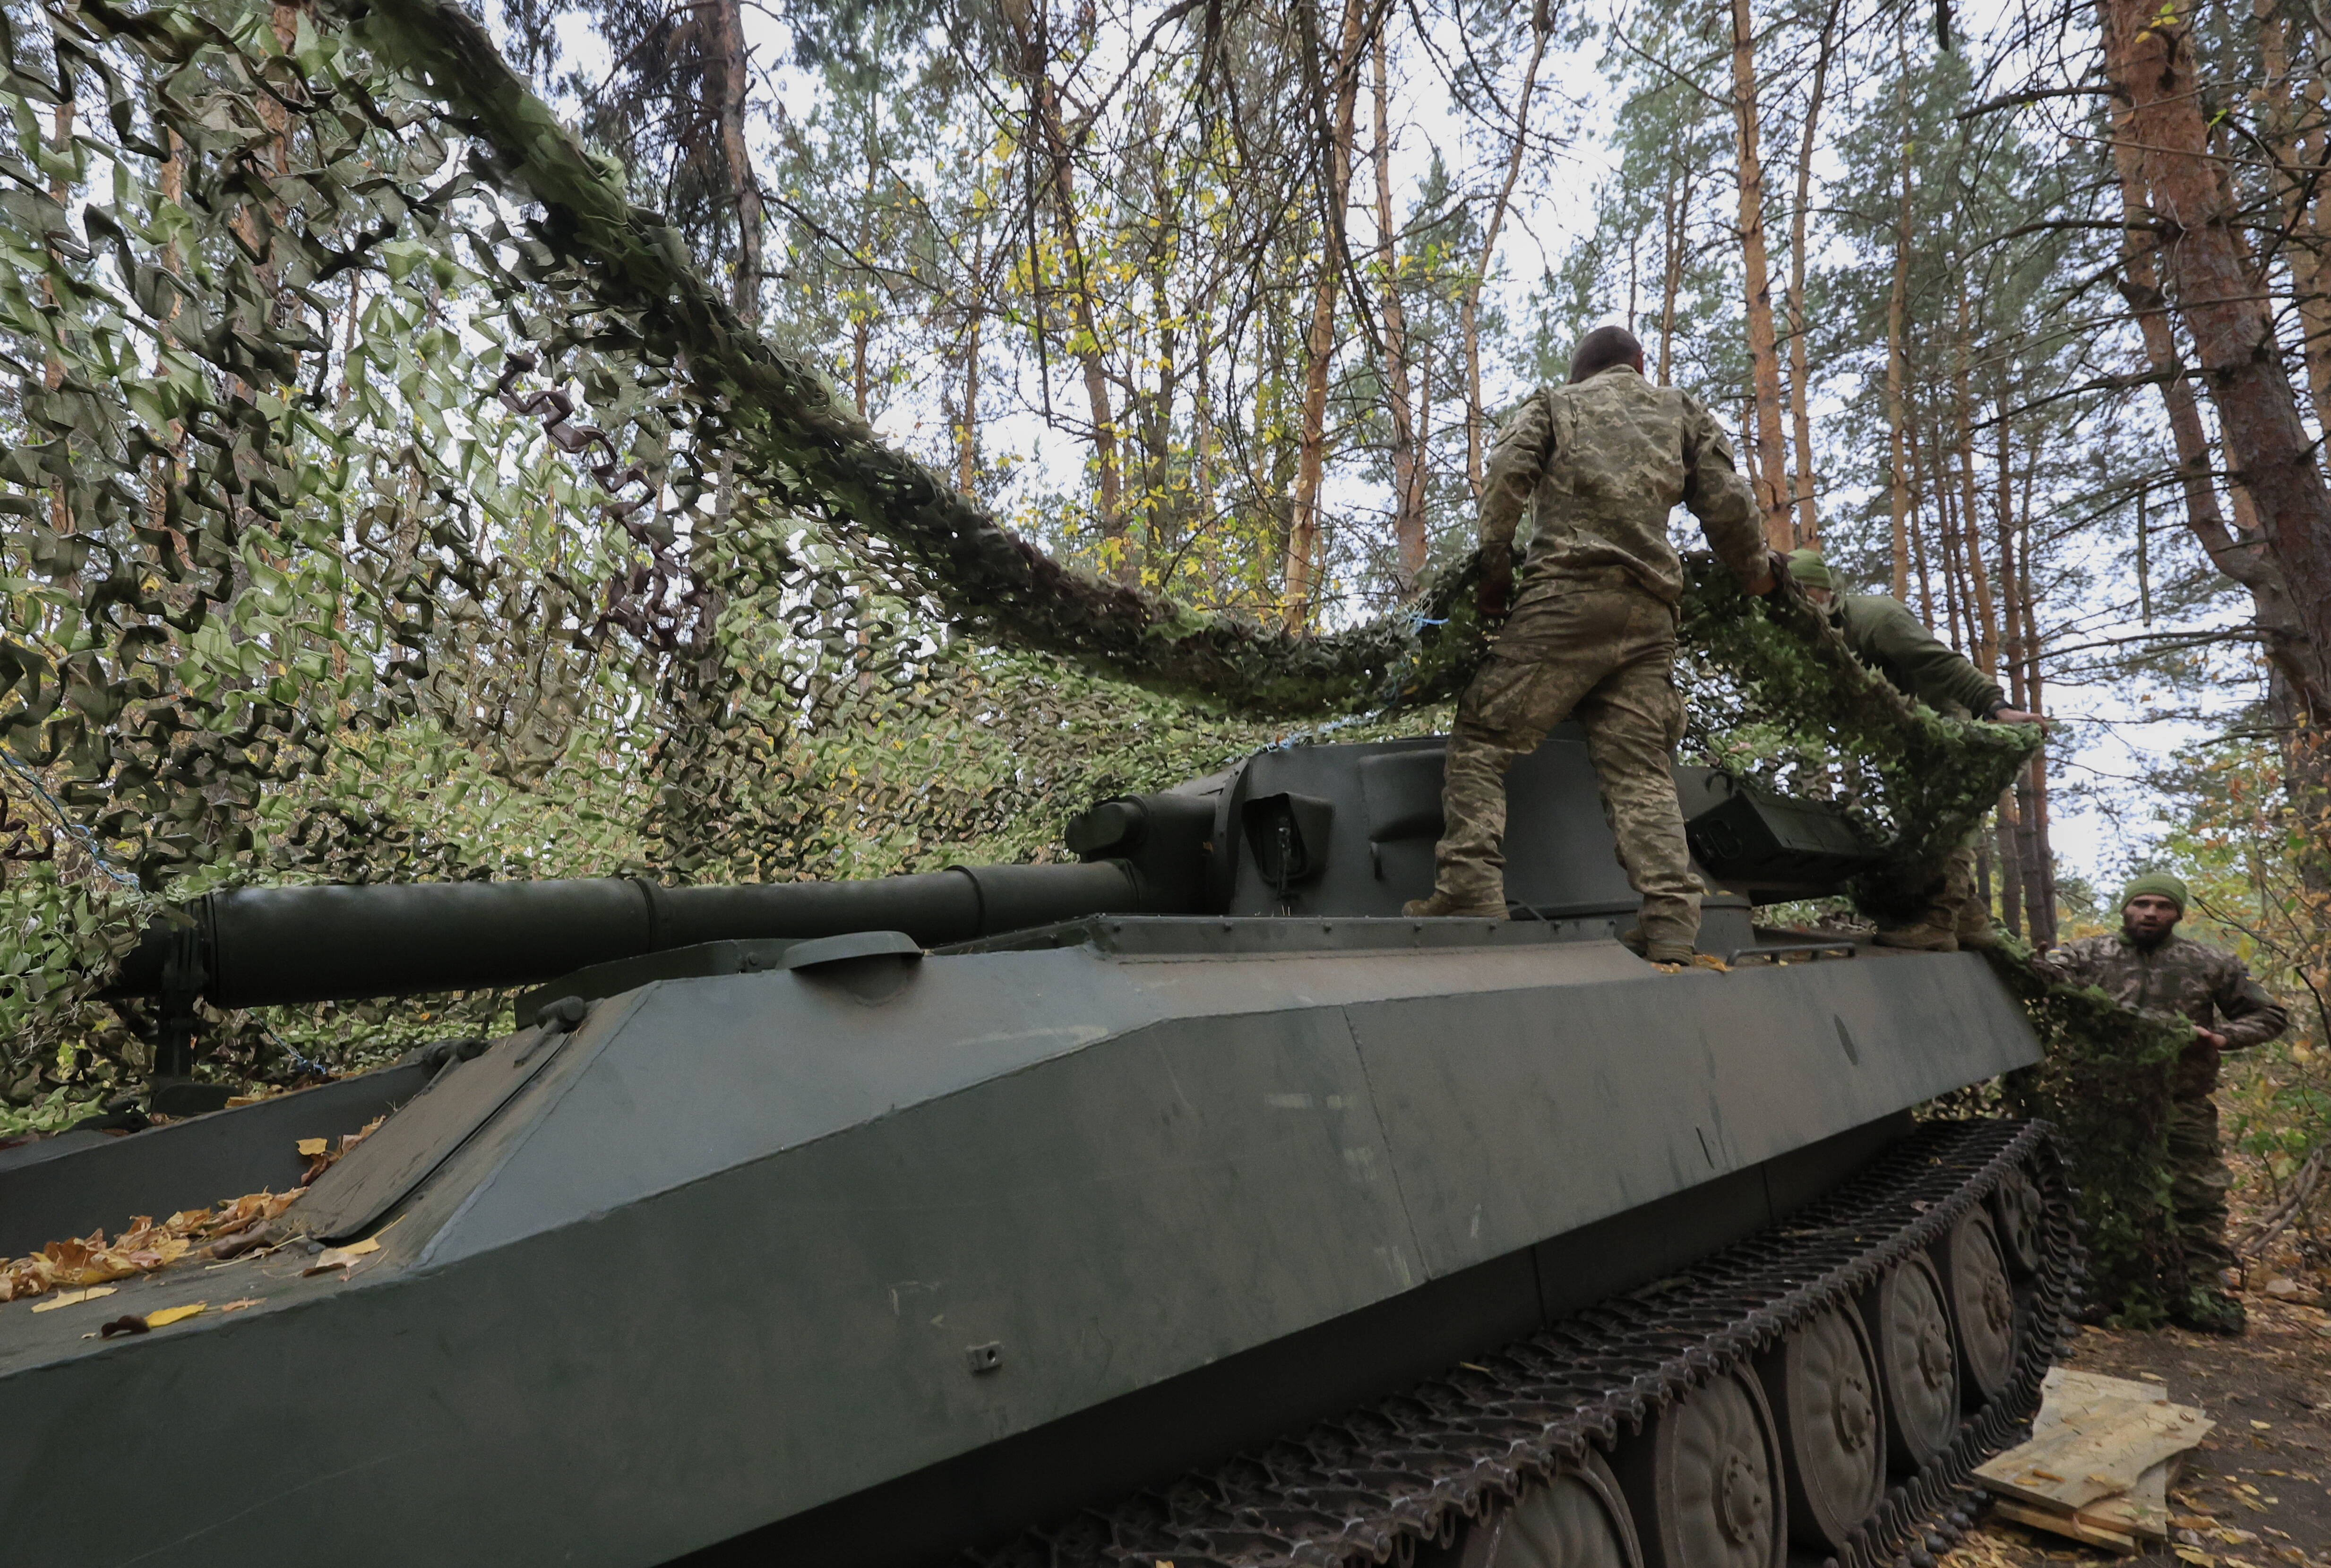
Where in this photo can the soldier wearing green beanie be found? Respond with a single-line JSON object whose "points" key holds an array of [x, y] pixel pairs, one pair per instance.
{"points": [[2146, 965], [1885, 636]]}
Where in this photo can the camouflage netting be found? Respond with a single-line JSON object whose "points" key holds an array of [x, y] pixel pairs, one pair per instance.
{"points": [[389, 497], [2106, 1083]]}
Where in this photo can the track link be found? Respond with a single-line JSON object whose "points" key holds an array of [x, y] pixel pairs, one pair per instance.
{"points": [[1409, 1470]]}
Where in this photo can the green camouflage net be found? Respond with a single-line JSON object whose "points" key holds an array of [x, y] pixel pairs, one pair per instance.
{"points": [[1780, 700], [2106, 1084], [388, 497]]}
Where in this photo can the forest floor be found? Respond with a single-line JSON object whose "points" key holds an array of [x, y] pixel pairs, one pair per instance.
{"points": [[2257, 1493]]}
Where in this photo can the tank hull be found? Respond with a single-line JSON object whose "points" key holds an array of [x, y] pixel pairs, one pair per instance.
{"points": [[746, 1254]]}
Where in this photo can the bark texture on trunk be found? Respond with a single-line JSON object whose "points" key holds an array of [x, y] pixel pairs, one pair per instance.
{"points": [[1409, 539], [2149, 60], [1897, 350], [1770, 465], [1030, 26], [1468, 308], [1301, 573], [1678, 208], [1800, 378]]}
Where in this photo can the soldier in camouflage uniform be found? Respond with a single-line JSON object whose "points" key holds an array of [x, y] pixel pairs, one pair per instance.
{"points": [[1602, 461], [2147, 966], [1885, 636]]}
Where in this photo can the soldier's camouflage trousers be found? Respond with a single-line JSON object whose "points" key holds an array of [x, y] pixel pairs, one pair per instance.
{"points": [[2198, 1183], [1603, 653], [1955, 904]]}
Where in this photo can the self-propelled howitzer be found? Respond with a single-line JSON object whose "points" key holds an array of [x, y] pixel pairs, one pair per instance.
{"points": [[1180, 1204]]}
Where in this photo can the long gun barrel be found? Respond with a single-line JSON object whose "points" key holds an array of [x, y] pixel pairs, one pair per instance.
{"points": [[266, 947]]}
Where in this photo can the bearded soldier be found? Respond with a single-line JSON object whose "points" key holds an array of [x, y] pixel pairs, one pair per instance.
{"points": [[1885, 636], [1602, 461], [2147, 966]]}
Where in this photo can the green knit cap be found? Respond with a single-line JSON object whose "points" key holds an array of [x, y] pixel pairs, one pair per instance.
{"points": [[2160, 884], [1810, 570]]}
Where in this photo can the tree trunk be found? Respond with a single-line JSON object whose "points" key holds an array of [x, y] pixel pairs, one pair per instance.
{"points": [[2039, 864], [1300, 576], [731, 90], [1770, 473], [2292, 128], [1032, 30], [1678, 206], [967, 435], [1409, 539], [2150, 64], [1898, 353], [1800, 378], [1983, 624], [1469, 309]]}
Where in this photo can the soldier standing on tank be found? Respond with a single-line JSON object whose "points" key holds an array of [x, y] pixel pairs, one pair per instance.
{"points": [[1602, 461], [1885, 636], [2146, 966]]}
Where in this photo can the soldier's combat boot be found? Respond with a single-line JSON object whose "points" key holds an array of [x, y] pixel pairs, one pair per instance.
{"points": [[1442, 906], [1666, 953], [1922, 937], [2206, 1311], [1976, 928]]}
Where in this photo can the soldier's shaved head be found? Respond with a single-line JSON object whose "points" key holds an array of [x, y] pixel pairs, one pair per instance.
{"points": [[1603, 347]]}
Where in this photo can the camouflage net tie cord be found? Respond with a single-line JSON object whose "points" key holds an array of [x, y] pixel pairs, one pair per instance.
{"points": [[403, 605]]}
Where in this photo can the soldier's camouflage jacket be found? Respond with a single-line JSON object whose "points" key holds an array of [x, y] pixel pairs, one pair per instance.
{"points": [[1605, 461], [2191, 979]]}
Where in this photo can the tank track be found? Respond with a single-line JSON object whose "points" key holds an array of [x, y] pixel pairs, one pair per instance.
{"points": [[1408, 1470]]}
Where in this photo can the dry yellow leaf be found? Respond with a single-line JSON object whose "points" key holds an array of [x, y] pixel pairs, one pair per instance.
{"points": [[170, 1314], [333, 1257], [72, 1298], [311, 1148]]}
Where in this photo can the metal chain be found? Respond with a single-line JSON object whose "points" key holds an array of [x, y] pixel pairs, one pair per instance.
{"points": [[1376, 1483]]}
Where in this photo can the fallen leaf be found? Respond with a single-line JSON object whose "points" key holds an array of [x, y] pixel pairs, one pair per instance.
{"points": [[333, 1257], [239, 1306], [311, 1148], [170, 1314], [2264, 1426], [72, 1298]]}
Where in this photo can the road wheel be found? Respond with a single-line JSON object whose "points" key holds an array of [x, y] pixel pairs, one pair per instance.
{"points": [[1577, 1520], [1983, 1308], [1822, 1385], [1910, 1333], [1704, 1480]]}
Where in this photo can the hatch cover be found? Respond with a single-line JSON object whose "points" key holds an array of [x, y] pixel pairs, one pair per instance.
{"points": [[377, 1173]]}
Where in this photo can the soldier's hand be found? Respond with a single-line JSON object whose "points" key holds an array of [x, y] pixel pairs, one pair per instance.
{"points": [[2211, 1035], [1496, 597], [1771, 573], [2017, 716]]}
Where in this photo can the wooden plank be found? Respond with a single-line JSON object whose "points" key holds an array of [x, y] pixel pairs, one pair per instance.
{"points": [[2066, 1393], [2067, 1524], [2096, 1452], [2141, 1511]]}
